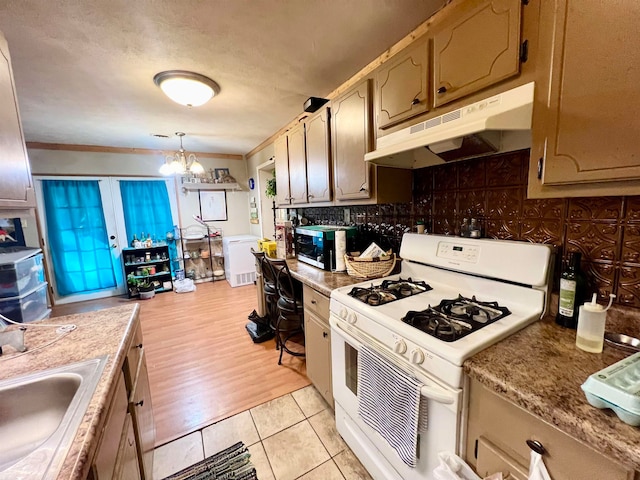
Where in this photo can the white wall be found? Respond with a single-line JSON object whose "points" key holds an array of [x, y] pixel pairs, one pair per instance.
{"points": [[58, 162]]}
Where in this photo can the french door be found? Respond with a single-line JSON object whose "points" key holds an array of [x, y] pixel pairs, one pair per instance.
{"points": [[84, 233]]}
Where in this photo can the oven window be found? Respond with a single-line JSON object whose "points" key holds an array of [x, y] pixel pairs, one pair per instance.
{"points": [[351, 368]]}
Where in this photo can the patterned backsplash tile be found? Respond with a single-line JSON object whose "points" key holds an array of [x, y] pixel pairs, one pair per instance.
{"points": [[493, 190]]}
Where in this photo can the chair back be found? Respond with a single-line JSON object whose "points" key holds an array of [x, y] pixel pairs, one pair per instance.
{"points": [[259, 260], [288, 289]]}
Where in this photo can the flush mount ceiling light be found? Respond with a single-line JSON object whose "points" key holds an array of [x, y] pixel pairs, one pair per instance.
{"points": [[179, 163], [186, 88]]}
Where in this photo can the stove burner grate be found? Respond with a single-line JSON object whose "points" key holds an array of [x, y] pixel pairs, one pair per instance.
{"points": [[389, 291], [453, 319]]}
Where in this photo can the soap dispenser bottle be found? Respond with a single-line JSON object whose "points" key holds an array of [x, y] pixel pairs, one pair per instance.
{"points": [[591, 321]]}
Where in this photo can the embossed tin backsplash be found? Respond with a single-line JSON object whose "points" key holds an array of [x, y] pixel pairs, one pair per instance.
{"points": [[494, 190]]}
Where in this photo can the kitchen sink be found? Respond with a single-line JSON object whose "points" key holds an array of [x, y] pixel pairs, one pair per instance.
{"points": [[39, 416]]}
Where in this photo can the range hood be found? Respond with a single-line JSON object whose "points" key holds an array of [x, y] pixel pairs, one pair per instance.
{"points": [[501, 123]]}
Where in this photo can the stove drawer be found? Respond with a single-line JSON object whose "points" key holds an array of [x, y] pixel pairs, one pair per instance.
{"points": [[315, 302]]}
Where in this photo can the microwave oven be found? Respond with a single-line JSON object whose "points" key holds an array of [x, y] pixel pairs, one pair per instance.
{"points": [[315, 244]]}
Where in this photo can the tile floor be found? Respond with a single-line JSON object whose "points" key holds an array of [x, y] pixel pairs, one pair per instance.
{"points": [[291, 437]]}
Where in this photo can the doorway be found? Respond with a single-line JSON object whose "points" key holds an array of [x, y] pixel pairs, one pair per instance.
{"points": [[83, 234]]}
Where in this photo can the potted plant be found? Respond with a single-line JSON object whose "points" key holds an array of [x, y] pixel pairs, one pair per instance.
{"points": [[270, 190], [147, 289]]}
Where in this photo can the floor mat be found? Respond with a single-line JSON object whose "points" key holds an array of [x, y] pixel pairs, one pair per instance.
{"points": [[229, 464]]}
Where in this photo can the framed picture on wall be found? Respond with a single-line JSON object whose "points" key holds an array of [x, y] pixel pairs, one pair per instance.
{"points": [[11, 234], [213, 205], [220, 173]]}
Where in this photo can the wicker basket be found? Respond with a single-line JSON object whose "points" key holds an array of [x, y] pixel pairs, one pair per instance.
{"points": [[370, 267]]}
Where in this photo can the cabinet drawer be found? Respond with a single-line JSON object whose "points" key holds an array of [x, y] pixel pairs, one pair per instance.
{"points": [[505, 425], [315, 302], [133, 359]]}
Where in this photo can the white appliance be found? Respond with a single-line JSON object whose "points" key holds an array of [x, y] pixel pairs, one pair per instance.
{"points": [[497, 124], [505, 285], [239, 262]]}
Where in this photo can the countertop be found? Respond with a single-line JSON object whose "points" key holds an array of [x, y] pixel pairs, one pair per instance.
{"points": [[320, 280], [541, 369], [102, 332]]}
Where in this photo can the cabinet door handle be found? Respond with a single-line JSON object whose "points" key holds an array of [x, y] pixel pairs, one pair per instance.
{"points": [[141, 403], [540, 165], [325, 334], [415, 101], [442, 90], [536, 446], [313, 302], [138, 345]]}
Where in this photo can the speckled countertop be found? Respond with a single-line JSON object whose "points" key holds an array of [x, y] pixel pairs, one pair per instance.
{"points": [[541, 369], [320, 280], [102, 332]]}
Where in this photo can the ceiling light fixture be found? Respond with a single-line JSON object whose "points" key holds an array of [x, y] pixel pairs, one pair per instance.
{"points": [[186, 88], [179, 163]]}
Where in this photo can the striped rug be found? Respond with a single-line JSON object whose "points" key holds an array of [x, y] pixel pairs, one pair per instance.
{"points": [[229, 464]]}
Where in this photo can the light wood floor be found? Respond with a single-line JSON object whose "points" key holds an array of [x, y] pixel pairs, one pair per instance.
{"points": [[203, 366]]}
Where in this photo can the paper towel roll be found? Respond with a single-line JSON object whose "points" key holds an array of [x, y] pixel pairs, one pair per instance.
{"points": [[341, 249]]}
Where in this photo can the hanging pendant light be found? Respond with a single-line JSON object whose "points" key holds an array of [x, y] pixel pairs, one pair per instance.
{"points": [[179, 163]]}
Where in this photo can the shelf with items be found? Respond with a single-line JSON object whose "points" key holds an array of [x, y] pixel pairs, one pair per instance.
{"points": [[202, 256], [147, 266]]}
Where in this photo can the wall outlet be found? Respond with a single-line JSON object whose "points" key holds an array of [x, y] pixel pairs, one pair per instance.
{"points": [[347, 216]]}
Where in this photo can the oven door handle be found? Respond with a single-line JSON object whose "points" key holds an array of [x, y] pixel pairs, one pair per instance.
{"points": [[431, 391], [436, 394]]}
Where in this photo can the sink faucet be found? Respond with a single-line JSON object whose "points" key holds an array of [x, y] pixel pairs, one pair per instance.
{"points": [[15, 338]]}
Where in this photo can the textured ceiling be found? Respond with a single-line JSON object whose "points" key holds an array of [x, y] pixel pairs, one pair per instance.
{"points": [[84, 69]]}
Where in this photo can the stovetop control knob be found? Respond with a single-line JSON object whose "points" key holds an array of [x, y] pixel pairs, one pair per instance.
{"points": [[400, 347], [417, 356], [352, 318], [343, 313]]}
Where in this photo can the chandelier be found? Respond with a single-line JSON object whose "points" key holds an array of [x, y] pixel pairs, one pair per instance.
{"points": [[179, 163], [186, 88]]}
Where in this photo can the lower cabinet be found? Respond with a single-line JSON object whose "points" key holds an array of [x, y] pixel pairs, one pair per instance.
{"points": [[318, 341], [125, 451], [497, 436]]}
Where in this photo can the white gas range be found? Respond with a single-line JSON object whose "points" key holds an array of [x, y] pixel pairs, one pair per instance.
{"points": [[453, 298]]}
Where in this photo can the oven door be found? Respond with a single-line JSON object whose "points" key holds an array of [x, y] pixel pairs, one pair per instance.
{"points": [[382, 461]]}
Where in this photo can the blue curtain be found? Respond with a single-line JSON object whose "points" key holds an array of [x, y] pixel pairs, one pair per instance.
{"points": [[78, 237], [147, 209]]}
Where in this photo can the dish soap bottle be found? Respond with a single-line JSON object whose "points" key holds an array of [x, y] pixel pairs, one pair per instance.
{"points": [[591, 322], [572, 287]]}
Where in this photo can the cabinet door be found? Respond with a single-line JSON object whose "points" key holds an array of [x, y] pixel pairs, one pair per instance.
{"points": [[590, 124], [16, 186], [318, 157], [144, 426], [297, 165], [109, 448], [127, 463], [481, 48], [318, 355], [282, 170], [498, 431], [402, 86], [351, 139]]}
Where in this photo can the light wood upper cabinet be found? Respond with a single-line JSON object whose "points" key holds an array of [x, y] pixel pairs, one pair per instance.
{"points": [[16, 185], [586, 123], [281, 151], [402, 86], [351, 138], [318, 149], [297, 165], [476, 49]]}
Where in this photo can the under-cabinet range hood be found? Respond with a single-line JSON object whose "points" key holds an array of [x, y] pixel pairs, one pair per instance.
{"points": [[501, 123]]}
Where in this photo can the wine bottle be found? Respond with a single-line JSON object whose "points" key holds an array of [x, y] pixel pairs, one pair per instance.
{"points": [[133, 242], [572, 288]]}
